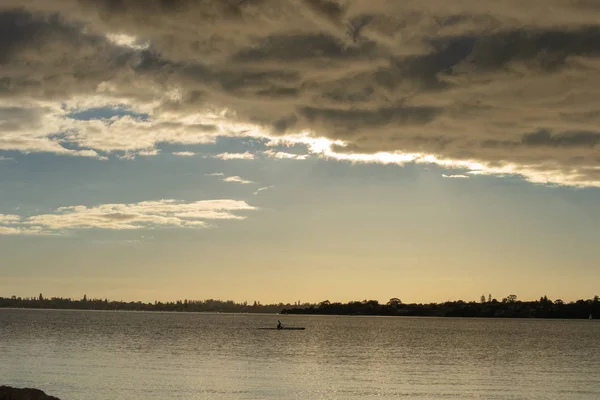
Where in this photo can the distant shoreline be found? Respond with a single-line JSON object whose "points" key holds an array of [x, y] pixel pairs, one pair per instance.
{"points": [[509, 307], [210, 305], [280, 314], [140, 311]]}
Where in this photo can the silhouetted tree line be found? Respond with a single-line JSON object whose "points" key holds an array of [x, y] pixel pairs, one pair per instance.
{"points": [[84, 303], [508, 307]]}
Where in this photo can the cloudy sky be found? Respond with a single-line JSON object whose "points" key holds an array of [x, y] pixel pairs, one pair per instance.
{"points": [[299, 150]]}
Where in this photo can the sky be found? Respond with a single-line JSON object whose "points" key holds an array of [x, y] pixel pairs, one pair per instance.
{"points": [[287, 151]]}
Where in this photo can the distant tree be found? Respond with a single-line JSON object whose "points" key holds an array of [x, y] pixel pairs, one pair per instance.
{"points": [[489, 298], [394, 302], [41, 298], [84, 298], [324, 303], [559, 302], [482, 298], [596, 299], [544, 300], [511, 298]]}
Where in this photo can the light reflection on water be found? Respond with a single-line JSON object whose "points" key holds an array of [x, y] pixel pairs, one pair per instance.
{"points": [[128, 355]]}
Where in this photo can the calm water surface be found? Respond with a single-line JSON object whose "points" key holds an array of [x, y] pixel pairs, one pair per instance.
{"points": [[134, 356]]}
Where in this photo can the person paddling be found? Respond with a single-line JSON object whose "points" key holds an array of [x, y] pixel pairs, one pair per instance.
{"points": [[279, 326]]}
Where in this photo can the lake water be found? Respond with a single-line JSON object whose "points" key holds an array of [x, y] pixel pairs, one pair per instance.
{"points": [[133, 356]]}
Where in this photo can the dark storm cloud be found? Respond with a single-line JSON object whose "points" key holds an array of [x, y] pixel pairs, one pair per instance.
{"points": [[357, 120], [312, 47], [549, 49], [509, 81], [329, 9], [567, 139], [46, 57]]}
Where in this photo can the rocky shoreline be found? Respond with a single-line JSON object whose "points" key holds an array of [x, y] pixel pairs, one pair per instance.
{"points": [[11, 393]]}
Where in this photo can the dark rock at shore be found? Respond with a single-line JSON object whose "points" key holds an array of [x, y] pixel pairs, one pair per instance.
{"points": [[10, 393]]}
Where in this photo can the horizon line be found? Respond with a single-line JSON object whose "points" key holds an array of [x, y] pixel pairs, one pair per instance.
{"points": [[298, 302]]}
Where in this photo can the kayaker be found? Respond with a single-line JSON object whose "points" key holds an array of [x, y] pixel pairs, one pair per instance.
{"points": [[279, 326]]}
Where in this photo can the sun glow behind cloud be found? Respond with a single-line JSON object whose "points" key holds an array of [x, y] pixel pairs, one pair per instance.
{"points": [[124, 40], [128, 136]]}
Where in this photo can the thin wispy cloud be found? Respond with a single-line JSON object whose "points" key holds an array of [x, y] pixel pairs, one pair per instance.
{"points": [[132, 155], [284, 155], [236, 179], [230, 179], [126, 156], [142, 215], [262, 189], [456, 176], [147, 153], [9, 219], [11, 230], [184, 153], [235, 156]]}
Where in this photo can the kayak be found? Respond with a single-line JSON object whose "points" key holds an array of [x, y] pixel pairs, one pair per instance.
{"points": [[284, 329]]}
